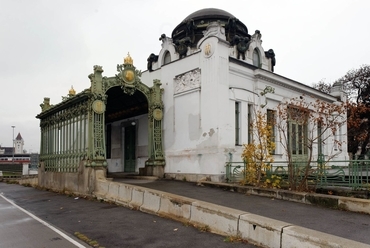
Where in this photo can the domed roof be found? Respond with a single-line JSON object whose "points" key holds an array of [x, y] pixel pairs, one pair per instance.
{"points": [[210, 12], [192, 27]]}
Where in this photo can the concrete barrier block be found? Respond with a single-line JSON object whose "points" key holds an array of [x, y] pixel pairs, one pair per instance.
{"points": [[218, 219], [300, 237], [354, 204], [102, 188], [151, 201], [175, 207], [113, 190], [124, 194], [137, 198], [261, 230]]}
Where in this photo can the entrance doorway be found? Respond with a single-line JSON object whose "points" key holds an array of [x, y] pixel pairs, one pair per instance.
{"points": [[126, 143], [129, 101]]}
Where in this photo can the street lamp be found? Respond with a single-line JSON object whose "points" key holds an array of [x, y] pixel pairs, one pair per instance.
{"points": [[13, 146]]}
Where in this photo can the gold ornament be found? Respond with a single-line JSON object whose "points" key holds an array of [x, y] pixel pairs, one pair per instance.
{"points": [[129, 76], [72, 92], [128, 60], [98, 106]]}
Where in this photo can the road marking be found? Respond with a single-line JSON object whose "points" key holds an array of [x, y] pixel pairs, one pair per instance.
{"points": [[44, 223]]}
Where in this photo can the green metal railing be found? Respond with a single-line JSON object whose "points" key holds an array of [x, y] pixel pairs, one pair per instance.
{"points": [[235, 171], [354, 174]]}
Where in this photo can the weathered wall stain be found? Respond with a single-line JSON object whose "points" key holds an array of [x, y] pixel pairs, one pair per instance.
{"points": [[211, 132]]}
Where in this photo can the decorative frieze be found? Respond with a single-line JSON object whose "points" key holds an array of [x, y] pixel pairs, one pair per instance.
{"points": [[187, 81]]}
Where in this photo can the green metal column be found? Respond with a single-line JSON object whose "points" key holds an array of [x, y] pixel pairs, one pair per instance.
{"points": [[97, 101], [155, 116]]}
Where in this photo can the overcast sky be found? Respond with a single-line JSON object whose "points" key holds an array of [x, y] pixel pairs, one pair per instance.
{"points": [[46, 46]]}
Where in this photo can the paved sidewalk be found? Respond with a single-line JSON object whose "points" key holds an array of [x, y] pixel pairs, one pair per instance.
{"points": [[354, 226]]}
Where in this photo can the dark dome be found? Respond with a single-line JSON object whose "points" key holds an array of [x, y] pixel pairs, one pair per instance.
{"points": [[191, 29], [213, 13]]}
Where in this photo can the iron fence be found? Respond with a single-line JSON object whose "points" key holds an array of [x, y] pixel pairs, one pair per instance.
{"points": [[354, 174], [235, 171]]}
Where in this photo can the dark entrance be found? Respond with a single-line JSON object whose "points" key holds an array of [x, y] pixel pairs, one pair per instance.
{"points": [[120, 120], [130, 145]]}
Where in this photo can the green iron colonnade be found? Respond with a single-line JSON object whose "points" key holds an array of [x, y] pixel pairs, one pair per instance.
{"points": [[73, 131]]}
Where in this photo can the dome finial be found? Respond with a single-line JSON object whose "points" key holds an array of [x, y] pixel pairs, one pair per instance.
{"points": [[128, 60]]}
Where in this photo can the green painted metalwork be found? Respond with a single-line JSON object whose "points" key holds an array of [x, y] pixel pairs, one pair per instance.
{"points": [[235, 171], [353, 174], [74, 130], [61, 148], [97, 101]]}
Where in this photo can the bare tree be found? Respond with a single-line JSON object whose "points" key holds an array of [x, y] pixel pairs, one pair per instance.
{"points": [[322, 86], [356, 84], [303, 122]]}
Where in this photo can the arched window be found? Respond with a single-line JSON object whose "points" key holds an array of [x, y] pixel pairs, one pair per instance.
{"points": [[256, 58], [167, 58]]}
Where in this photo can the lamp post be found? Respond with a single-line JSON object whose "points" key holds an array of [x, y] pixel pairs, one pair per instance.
{"points": [[13, 146]]}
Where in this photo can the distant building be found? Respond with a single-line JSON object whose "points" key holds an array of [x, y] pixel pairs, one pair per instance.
{"points": [[19, 161], [6, 150], [18, 144], [17, 147]]}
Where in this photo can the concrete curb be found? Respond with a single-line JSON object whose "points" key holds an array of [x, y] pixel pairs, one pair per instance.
{"points": [[218, 219]]}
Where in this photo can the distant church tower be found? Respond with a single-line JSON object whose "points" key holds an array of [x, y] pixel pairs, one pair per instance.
{"points": [[18, 143]]}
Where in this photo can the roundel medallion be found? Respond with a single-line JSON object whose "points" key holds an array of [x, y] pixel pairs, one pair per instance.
{"points": [[128, 76], [208, 50], [157, 114], [98, 106]]}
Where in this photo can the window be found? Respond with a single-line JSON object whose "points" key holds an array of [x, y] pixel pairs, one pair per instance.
{"points": [[297, 132], [319, 138], [256, 58], [271, 115], [237, 123], [167, 58], [250, 123]]}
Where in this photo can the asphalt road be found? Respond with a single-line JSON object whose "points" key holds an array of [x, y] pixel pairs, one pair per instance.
{"points": [[107, 225]]}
